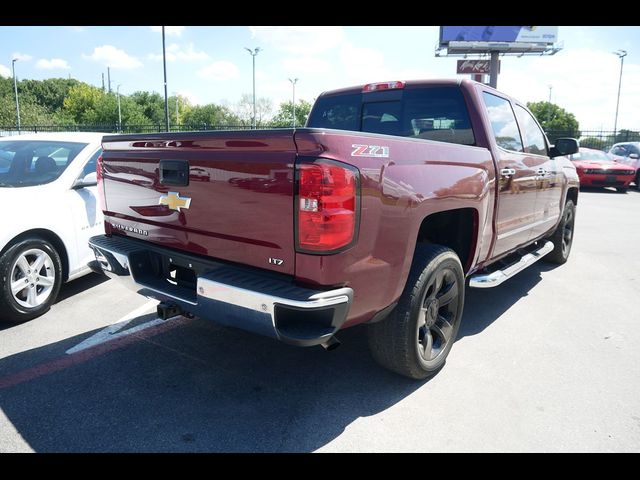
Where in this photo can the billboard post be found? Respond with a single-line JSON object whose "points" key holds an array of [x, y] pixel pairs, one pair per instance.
{"points": [[493, 70]]}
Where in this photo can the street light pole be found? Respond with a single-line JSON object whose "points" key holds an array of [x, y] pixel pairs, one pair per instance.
{"points": [[15, 88], [253, 53], [621, 54], [166, 99], [293, 83], [119, 112]]}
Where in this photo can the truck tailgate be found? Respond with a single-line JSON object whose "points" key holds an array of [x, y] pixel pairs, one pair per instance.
{"points": [[237, 205]]}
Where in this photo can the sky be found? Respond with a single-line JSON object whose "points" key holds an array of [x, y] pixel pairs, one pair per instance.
{"points": [[210, 64]]}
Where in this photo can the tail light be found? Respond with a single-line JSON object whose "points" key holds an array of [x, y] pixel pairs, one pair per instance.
{"points": [[327, 206], [99, 174]]}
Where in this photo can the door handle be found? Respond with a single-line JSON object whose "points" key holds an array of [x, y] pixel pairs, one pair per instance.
{"points": [[508, 172], [541, 171]]}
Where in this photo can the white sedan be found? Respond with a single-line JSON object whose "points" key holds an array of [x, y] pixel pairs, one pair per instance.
{"points": [[48, 210]]}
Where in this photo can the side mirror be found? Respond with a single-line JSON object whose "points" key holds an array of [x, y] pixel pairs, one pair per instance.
{"points": [[89, 180], [634, 156], [564, 146]]}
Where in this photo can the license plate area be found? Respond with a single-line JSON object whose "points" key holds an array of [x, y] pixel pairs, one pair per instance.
{"points": [[172, 275], [611, 179]]}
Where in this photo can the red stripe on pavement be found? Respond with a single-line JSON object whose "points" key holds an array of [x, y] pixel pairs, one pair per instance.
{"points": [[76, 358]]}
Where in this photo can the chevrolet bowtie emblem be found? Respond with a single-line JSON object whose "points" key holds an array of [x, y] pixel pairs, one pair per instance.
{"points": [[174, 201]]}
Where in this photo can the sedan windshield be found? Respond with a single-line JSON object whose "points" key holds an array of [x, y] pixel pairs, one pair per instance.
{"points": [[35, 162], [591, 155]]}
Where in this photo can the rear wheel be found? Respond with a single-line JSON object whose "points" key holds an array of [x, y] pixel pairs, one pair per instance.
{"points": [[562, 238], [31, 274], [415, 339]]}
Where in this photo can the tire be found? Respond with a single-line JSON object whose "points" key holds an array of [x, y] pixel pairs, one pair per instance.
{"points": [[562, 238], [401, 342], [638, 180], [42, 284], [622, 189]]}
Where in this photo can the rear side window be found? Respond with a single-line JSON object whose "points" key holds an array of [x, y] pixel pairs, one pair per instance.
{"points": [[503, 122], [531, 134], [341, 112], [431, 113], [437, 113]]}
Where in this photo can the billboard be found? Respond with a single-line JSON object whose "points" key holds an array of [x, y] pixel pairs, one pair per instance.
{"points": [[498, 34]]}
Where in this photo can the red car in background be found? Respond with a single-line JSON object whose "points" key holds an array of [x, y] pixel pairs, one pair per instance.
{"points": [[596, 169]]}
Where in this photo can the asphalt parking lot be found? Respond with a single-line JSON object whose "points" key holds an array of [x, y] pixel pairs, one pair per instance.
{"points": [[547, 361]]}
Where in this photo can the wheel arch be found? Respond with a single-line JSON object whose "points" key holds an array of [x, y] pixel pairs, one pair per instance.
{"points": [[456, 228], [49, 236], [572, 194]]}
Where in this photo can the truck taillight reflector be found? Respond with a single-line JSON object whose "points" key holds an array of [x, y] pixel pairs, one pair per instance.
{"points": [[327, 204], [99, 173], [373, 87]]}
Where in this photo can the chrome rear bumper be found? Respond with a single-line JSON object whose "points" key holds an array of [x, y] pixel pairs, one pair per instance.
{"points": [[241, 297]]}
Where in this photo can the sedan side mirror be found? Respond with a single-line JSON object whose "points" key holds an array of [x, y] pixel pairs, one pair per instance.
{"points": [[89, 180], [564, 146], [634, 156]]}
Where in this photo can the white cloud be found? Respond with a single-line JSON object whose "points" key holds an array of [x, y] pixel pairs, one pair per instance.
{"points": [[189, 95], [176, 52], [363, 64], [220, 70], [584, 81], [4, 71], [300, 40], [113, 57], [305, 65], [177, 31], [23, 57], [54, 63]]}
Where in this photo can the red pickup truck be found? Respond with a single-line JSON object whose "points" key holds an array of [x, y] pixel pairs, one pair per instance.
{"points": [[379, 211]]}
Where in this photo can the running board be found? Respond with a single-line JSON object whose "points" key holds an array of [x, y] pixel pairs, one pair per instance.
{"points": [[493, 279]]}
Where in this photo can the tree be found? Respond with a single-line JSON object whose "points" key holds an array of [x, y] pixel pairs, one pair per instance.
{"points": [[30, 113], [49, 93], [81, 101], [284, 116], [626, 136], [593, 142], [210, 115], [151, 104], [555, 121], [86, 104], [244, 110]]}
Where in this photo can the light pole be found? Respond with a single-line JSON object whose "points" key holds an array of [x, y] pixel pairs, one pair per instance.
{"points": [[166, 100], [621, 54], [119, 112], [293, 83], [15, 88], [550, 88], [253, 53]]}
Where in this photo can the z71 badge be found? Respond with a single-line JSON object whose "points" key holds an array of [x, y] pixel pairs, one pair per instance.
{"points": [[369, 151]]}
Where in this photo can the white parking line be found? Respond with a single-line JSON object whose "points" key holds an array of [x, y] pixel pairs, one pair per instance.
{"points": [[113, 331]]}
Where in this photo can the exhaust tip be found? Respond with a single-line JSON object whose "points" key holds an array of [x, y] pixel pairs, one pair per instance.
{"points": [[331, 344]]}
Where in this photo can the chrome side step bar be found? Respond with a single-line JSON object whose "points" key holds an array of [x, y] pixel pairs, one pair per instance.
{"points": [[493, 279]]}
